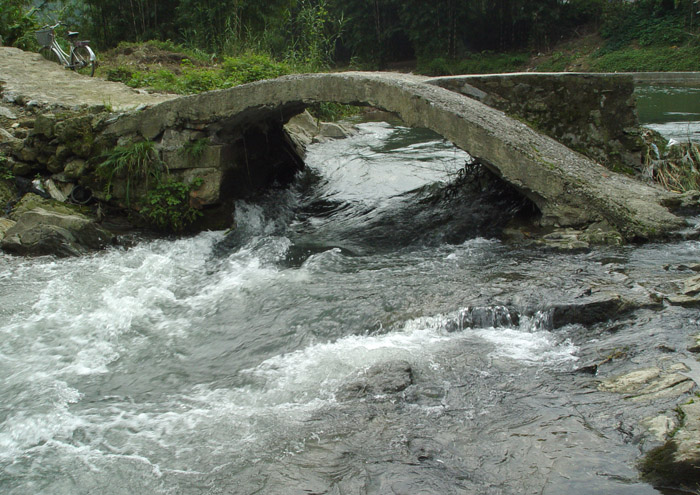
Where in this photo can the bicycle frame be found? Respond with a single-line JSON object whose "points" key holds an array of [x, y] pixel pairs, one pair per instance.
{"points": [[60, 53], [72, 60]]}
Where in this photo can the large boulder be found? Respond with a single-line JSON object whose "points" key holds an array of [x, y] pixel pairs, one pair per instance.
{"points": [[41, 232]]}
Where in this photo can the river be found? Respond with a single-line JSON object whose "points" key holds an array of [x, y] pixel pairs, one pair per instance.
{"points": [[361, 332], [672, 111]]}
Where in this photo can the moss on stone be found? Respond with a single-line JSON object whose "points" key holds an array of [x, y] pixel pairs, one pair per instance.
{"points": [[661, 468], [31, 201], [8, 192]]}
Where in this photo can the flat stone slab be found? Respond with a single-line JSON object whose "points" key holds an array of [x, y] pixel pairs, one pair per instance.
{"points": [[30, 76], [650, 383]]}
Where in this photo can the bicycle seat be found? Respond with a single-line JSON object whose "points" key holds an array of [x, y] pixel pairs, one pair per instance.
{"points": [[72, 33]]}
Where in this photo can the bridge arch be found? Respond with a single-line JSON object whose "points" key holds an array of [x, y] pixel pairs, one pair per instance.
{"points": [[568, 188]]}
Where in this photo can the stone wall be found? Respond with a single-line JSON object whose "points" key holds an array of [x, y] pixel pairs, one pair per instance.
{"points": [[594, 114]]}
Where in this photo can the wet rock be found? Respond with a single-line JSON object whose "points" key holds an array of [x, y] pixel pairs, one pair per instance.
{"points": [[696, 346], [691, 286], [40, 232], [601, 233], [302, 129], [689, 199], [565, 240], [209, 193], [330, 130], [382, 379], [660, 426], [685, 301], [677, 462], [650, 383], [488, 317], [596, 308], [690, 293]]}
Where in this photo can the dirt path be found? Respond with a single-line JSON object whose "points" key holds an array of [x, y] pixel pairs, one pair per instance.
{"points": [[31, 77]]}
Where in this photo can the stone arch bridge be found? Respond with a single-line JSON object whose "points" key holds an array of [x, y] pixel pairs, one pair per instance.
{"points": [[242, 127]]}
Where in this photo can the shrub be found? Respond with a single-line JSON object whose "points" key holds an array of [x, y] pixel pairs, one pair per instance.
{"points": [[685, 58], [17, 25], [119, 74], [477, 63], [5, 171], [251, 67], [167, 205], [194, 149]]}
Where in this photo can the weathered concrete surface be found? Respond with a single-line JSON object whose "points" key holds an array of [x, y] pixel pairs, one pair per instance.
{"points": [[29, 76], [665, 78], [568, 188]]}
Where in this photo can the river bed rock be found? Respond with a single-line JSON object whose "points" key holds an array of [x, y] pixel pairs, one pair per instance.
{"points": [[677, 462], [689, 296], [379, 380], [650, 383], [40, 232]]}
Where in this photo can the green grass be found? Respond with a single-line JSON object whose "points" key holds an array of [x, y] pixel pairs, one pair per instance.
{"points": [[192, 79], [478, 63], [165, 46], [649, 59], [135, 163], [559, 62]]}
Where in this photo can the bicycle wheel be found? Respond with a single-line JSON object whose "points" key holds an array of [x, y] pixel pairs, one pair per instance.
{"points": [[83, 60], [49, 54]]}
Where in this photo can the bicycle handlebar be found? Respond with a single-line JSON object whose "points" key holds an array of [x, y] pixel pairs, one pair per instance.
{"points": [[52, 27]]}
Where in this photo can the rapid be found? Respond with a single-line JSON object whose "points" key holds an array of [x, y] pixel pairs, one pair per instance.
{"points": [[364, 331]]}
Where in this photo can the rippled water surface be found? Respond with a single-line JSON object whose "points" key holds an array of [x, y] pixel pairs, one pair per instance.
{"points": [[359, 333], [672, 111]]}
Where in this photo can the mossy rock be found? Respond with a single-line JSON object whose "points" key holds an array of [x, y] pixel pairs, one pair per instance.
{"points": [[77, 134], [30, 201], [8, 192]]}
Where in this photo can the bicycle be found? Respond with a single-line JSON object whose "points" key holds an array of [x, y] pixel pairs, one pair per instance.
{"points": [[81, 58]]}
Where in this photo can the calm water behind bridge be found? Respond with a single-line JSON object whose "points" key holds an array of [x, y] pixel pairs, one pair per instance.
{"points": [[672, 111], [359, 333]]}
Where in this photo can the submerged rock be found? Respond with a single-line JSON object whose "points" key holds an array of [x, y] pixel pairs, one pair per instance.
{"points": [[690, 293], [382, 379]]}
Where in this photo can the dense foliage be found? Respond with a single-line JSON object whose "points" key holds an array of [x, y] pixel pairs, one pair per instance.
{"points": [[372, 33]]}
